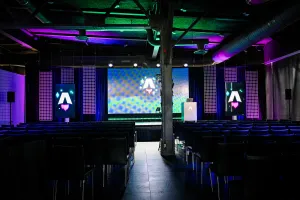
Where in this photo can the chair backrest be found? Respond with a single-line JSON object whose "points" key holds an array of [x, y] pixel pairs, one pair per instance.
{"points": [[230, 159]]}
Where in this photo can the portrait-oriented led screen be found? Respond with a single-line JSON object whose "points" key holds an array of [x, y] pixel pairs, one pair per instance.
{"points": [[235, 99], [64, 100], [136, 91]]}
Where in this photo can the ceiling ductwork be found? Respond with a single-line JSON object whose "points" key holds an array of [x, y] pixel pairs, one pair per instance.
{"points": [[257, 2], [32, 9], [256, 34]]}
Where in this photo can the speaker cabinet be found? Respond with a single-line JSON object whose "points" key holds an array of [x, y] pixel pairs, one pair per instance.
{"points": [[288, 94], [10, 97]]}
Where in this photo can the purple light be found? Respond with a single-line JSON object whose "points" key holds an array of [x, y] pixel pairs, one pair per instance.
{"points": [[92, 40], [264, 41], [220, 57], [27, 32]]}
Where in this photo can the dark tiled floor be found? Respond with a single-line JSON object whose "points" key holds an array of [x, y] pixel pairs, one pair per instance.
{"points": [[153, 177]]}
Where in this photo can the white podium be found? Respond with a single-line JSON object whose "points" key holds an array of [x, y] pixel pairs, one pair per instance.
{"points": [[189, 111]]}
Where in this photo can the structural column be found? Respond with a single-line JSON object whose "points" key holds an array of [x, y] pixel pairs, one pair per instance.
{"points": [[167, 145]]}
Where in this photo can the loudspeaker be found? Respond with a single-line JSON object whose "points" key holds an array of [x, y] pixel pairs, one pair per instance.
{"points": [[288, 94], [10, 97]]}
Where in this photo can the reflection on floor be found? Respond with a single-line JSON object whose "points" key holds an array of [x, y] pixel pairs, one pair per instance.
{"points": [[153, 177]]}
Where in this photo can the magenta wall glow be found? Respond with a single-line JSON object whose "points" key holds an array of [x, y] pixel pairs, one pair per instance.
{"points": [[12, 82]]}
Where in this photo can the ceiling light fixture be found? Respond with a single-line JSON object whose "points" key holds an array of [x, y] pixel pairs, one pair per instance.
{"points": [[110, 65], [157, 65], [135, 64], [185, 65]]}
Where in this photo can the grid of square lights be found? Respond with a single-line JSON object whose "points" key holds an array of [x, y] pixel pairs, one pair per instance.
{"points": [[252, 102], [67, 75], [5, 86], [210, 90], [230, 74], [89, 90], [45, 96]]}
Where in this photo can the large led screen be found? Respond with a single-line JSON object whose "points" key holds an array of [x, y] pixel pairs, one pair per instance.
{"points": [[235, 99], [137, 90], [64, 100]]}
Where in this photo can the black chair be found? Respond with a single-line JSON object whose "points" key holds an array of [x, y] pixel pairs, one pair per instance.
{"points": [[230, 161], [67, 162]]}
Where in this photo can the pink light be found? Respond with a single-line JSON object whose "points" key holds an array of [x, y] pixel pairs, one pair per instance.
{"points": [[65, 107], [235, 104]]}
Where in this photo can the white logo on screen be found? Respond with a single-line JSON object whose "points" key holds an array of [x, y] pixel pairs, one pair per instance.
{"points": [[64, 96], [190, 108], [149, 85], [234, 94]]}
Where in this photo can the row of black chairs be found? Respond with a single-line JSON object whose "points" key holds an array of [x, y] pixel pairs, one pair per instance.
{"points": [[68, 154], [232, 152]]}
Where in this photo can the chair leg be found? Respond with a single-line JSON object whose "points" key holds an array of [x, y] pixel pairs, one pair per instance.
{"points": [[82, 192], [125, 181], [92, 184], [68, 187], [55, 189], [211, 181], [201, 173], [103, 176], [196, 169], [218, 182], [193, 161]]}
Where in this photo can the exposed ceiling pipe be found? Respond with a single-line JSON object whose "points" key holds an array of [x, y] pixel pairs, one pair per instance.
{"points": [[249, 38], [257, 2], [32, 9], [151, 39]]}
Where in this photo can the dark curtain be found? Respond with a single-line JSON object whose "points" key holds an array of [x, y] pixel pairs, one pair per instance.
{"points": [[241, 78], [286, 75], [196, 89], [32, 93], [56, 79], [220, 81], [78, 79], [101, 94], [262, 92]]}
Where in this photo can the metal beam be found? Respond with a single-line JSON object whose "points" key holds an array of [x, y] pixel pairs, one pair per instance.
{"points": [[111, 8], [22, 43], [141, 8], [187, 30], [74, 27], [167, 142]]}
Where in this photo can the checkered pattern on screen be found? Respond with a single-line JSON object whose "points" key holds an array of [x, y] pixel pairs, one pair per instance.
{"points": [[67, 75], [230, 74], [45, 96], [89, 90], [210, 90], [252, 101]]}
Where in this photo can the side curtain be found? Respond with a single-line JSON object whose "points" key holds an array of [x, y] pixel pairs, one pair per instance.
{"points": [[196, 89], [101, 94], [286, 75]]}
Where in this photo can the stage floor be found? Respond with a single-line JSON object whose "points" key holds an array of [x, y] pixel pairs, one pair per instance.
{"points": [[147, 123]]}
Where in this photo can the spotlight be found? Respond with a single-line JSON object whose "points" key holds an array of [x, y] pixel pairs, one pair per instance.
{"points": [[157, 65], [110, 65], [135, 64], [185, 65]]}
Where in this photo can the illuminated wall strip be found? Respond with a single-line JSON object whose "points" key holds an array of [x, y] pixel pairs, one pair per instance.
{"points": [[210, 90], [230, 74], [67, 75], [252, 101], [45, 96], [89, 90]]}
